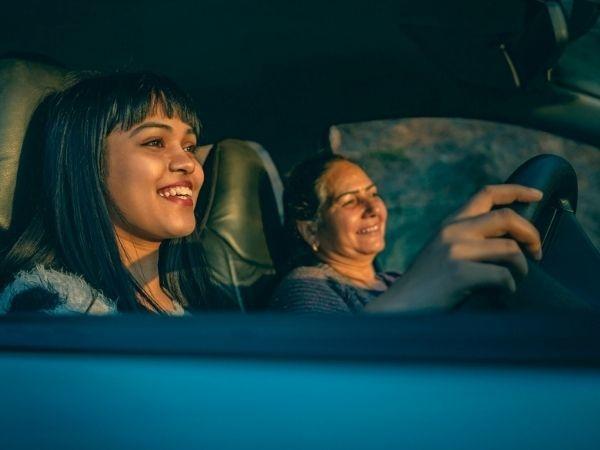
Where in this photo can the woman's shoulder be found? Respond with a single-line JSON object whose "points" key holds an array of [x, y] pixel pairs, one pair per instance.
{"points": [[310, 289], [313, 273], [305, 281], [52, 291]]}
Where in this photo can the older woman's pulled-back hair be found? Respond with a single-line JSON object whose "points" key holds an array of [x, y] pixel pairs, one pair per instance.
{"points": [[302, 199]]}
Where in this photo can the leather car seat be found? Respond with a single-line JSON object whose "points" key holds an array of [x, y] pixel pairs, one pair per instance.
{"points": [[23, 85], [240, 208]]}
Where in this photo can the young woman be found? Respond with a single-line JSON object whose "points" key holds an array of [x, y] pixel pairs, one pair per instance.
{"points": [[116, 228], [337, 220]]}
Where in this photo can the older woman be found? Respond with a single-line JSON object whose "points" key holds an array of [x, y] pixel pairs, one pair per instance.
{"points": [[337, 221]]}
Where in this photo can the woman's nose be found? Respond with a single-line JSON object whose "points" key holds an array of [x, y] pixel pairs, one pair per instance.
{"points": [[183, 162], [372, 205]]}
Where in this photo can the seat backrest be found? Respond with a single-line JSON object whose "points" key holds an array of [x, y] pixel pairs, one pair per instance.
{"points": [[23, 85], [241, 211]]}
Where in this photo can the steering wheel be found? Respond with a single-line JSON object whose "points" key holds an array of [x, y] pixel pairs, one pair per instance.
{"points": [[567, 275], [555, 177]]}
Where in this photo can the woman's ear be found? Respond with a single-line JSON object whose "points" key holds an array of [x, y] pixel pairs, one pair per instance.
{"points": [[308, 231]]}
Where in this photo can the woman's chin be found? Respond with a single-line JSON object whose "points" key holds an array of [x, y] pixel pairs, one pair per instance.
{"points": [[182, 233], [373, 246], [179, 230], [372, 250]]}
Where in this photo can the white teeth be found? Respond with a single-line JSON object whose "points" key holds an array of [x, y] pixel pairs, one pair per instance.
{"points": [[182, 190], [368, 229], [179, 191]]}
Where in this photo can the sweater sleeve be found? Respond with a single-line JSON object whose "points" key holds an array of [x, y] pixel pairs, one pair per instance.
{"points": [[50, 291], [34, 300]]}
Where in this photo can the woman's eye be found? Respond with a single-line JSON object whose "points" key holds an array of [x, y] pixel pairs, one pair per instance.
{"points": [[154, 143], [349, 202], [190, 148]]}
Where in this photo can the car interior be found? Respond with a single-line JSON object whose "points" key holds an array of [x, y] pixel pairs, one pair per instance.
{"points": [[276, 84], [241, 211]]}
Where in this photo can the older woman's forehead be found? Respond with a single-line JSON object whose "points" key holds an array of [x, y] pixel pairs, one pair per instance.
{"points": [[345, 176]]}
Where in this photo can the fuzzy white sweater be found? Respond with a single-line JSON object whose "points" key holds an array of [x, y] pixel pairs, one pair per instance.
{"points": [[69, 293]]}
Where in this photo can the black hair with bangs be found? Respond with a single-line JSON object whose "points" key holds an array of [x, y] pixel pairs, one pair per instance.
{"points": [[72, 230]]}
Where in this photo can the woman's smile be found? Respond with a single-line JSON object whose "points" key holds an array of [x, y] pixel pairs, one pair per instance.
{"points": [[178, 193], [369, 230]]}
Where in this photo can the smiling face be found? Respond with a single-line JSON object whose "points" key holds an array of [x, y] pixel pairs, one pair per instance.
{"points": [[153, 179], [353, 216]]}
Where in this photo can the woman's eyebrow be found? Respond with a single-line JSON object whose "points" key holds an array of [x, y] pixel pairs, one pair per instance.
{"points": [[355, 191], [145, 125]]}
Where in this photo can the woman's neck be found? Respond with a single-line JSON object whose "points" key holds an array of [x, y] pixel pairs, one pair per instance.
{"points": [[360, 273], [140, 257]]}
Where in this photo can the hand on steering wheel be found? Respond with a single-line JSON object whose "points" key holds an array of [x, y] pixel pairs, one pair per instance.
{"points": [[478, 247], [493, 238]]}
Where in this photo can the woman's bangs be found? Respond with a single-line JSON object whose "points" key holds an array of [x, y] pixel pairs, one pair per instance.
{"points": [[153, 97]]}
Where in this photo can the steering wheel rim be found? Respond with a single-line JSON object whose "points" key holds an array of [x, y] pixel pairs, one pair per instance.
{"points": [[555, 177]]}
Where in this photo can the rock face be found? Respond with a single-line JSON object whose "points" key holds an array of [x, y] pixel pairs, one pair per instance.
{"points": [[426, 168]]}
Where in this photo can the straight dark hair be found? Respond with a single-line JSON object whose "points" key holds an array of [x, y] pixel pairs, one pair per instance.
{"points": [[72, 230]]}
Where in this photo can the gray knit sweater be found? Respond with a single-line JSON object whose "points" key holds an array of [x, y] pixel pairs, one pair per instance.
{"points": [[320, 289]]}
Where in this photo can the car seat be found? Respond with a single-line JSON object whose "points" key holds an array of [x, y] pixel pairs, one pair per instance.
{"points": [[23, 85], [240, 208]]}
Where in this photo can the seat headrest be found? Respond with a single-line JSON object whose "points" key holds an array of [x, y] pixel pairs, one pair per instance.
{"points": [[240, 209], [23, 85]]}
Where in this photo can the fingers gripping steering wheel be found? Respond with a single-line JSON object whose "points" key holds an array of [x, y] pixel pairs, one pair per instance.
{"points": [[567, 275]]}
